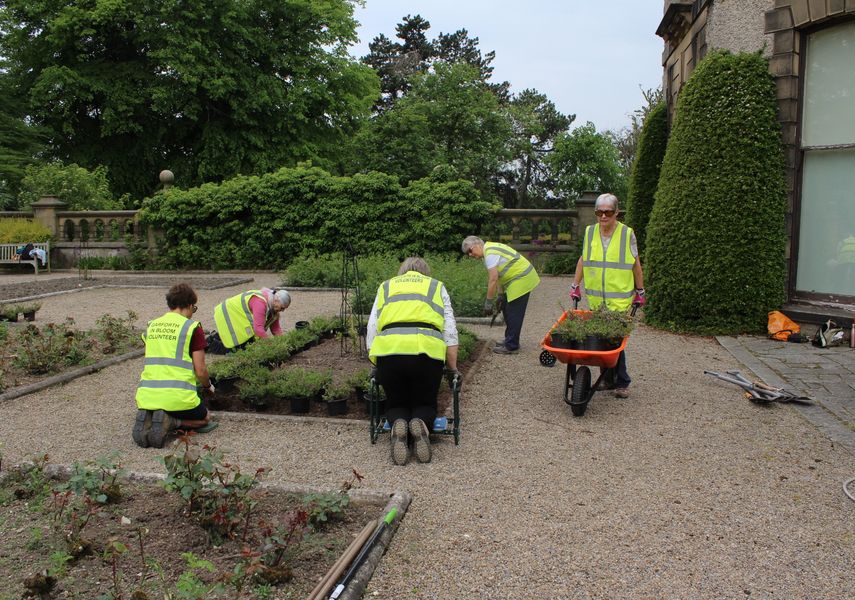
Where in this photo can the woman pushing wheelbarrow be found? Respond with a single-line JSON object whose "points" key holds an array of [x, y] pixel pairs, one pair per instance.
{"points": [[610, 272]]}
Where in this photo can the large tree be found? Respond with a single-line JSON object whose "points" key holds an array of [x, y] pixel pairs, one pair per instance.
{"points": [[397, 61], [207, 89], [449, 117], [527, 180], [584, 160], [20, 144]]}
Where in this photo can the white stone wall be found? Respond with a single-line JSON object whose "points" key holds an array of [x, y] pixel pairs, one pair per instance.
{"points": [[737, 25]]}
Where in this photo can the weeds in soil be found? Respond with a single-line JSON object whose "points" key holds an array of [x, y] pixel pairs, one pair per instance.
{"points": [[216, 492], [29, 481], [324, 507], [71, 514], [50, 348]]}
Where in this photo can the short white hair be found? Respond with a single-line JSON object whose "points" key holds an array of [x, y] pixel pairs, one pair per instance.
{"points": [[610, 198], [470, 242], [283, 297]]}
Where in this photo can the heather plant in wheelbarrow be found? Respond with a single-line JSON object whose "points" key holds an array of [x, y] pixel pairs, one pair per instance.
{"points": [[601, 327]]}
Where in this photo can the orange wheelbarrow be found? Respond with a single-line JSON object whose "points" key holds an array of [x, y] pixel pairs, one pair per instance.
{"points": [[578, 360]]}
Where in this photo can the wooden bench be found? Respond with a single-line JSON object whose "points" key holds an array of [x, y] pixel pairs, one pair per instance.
{"points": [[8, 256]]}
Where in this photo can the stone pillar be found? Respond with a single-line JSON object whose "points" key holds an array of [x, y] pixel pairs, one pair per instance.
{"points": [[585, 206], [44, 212]]}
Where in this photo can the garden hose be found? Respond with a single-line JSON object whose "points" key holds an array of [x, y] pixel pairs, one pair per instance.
{"points": [[846, 489]]}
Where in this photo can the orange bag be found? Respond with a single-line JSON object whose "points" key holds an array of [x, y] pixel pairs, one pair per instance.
{"points": [[780, 326]]}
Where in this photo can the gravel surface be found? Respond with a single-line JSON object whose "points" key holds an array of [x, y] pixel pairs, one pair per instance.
{"points": [[26, 288], [684, 490]]}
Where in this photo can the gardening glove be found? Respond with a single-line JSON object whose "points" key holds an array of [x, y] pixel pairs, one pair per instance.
{"points": [[639, 299], [575, 293], [488, 307], [451, 375], [210, 389], [373, 375]]}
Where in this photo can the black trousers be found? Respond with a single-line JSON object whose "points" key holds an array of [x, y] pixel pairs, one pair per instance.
{"points": [[411, 384], [514, 313]]}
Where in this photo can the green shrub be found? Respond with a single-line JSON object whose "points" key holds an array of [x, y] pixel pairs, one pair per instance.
{"points": [[267, 221], [297, 382], [645, 172], [465, 280], [716, 236], [79, 188], [467, 343], [19, 231]]}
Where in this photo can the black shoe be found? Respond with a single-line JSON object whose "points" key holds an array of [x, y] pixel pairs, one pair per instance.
{"points": [[505, 350], [142, 426], [161, 425]]}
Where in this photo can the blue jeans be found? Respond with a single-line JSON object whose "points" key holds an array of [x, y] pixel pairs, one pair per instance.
{"points": [[514, 313]]}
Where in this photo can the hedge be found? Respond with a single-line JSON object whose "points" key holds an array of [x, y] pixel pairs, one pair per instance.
{"points": [[266, 221], [716, 237], [20, 231], [645, 172]]}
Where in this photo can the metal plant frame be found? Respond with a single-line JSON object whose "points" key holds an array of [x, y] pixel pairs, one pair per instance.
{"points": [[351, 312]]}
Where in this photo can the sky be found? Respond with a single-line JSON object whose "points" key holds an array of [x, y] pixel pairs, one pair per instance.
{"points": [[588, 56]]}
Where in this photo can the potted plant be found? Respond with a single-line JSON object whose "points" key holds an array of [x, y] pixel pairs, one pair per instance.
{"points": [[254, 387], [361, 384], [335, 397], [225, 373], [299, 386], [325, 327], [29, 310], [598, 330], [9, 312]]}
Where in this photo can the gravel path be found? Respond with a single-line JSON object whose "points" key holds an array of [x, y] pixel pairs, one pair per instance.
{"points": [[685, 490]]}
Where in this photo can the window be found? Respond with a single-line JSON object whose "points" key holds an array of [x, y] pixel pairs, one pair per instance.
{"points": [[826, 251]]}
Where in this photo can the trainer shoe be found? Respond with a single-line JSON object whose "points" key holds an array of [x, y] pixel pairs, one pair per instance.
{"points": [[505, 350], [621, 393], [400, 451], [142, 425], [161, 425], [421, 440], [207, 427]]}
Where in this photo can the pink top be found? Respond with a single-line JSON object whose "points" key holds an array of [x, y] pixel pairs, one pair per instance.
{"points": [[258, 307]]}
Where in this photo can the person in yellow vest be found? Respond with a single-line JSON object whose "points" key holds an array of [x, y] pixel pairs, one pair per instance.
{"points": [[167, 394], [610, 271], [411, 336], [248, 316], [508, 269]]}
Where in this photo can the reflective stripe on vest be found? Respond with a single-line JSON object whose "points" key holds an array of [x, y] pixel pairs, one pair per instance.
{"points": [[410, 299], [234, 318], [168, 380], [517, 276], [608, 278]]}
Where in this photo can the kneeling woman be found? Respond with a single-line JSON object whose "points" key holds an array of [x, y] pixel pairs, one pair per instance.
{"points": [[167, 395], [411, 335]]}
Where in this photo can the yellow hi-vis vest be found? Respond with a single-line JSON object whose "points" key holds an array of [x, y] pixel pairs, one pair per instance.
{"points": [[411, 317], [168, 381], [608, 278], [517, 277], [234, 319], [847, 251]]}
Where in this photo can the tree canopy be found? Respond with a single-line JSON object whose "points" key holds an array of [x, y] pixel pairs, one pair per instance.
{"points": [[583, 160], [207, 89]]}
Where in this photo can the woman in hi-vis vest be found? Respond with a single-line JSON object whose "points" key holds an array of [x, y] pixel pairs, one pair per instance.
{"points": [[610, 270], [167, 394], [411, 336]]}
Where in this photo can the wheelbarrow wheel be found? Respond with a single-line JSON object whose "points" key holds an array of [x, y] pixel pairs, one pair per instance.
{"points": [[581, 391], [547, 359]]}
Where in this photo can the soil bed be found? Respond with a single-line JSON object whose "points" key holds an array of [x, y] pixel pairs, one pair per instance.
{"points": [[25, 289], [30, 539], [328, 356]]}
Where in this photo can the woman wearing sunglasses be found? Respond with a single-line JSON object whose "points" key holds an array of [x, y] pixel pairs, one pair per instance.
{"points": [[610, 271], [167, 395]]}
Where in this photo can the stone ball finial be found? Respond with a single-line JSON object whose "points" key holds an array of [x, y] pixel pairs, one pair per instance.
{"points": [[167, 177]]}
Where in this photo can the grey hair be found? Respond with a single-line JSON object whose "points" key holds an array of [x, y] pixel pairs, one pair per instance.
{"points": [[283, 296], [415, 263], [610, 198], [469, 242]]}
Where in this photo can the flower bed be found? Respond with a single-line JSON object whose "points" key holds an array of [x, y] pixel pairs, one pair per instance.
{"points": [[207, 530]]}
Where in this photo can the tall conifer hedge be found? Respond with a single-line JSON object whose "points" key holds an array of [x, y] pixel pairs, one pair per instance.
{"points": [[716, 237], [645, 171]]}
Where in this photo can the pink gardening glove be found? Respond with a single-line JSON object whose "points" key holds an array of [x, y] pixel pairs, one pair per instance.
{"points": [[639, 299], [575, 293]]}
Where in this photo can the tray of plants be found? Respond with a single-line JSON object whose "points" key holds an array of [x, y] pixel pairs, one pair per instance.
{"points": [[582, 339]]}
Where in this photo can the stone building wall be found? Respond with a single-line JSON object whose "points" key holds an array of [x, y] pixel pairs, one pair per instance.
{"points": [[737, 25]]}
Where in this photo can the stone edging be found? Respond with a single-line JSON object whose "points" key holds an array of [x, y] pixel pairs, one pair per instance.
{"points": [[399, 500], [232, 415], [69, 375]]}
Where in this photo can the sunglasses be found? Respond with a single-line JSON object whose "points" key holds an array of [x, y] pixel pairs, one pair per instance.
{"points": [[607, 213]]}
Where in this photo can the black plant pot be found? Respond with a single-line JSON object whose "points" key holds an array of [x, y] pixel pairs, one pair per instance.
{"points": [[559, 341], [600, 344], [30, 316], [337, 407], [226, 385], [301, 324], [300, 405]]}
